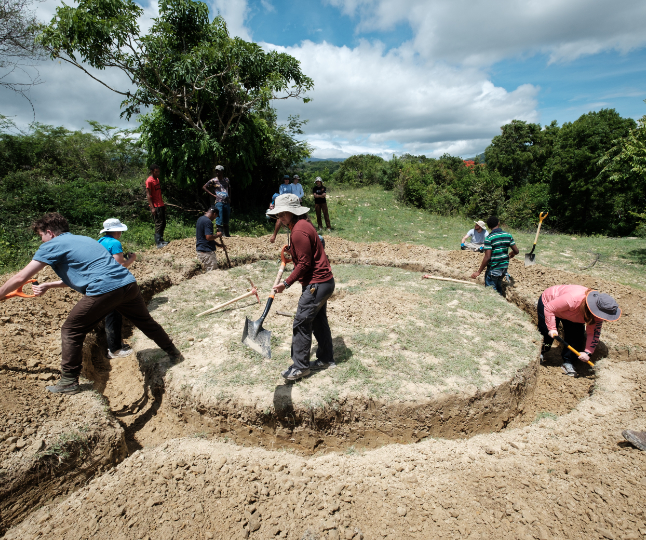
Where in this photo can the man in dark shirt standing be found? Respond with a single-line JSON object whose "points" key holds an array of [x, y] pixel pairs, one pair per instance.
{"points": [[205, 239], [157, 206], [320, 203], [312, 270], [219, 190]]}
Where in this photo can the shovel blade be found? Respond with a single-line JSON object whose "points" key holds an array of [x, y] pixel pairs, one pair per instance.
{"points": [[530, 259], [257, 338]]}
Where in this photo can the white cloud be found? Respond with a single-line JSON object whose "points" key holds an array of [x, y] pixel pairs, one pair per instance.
{"points": [[391, 102], [481, 33], [235, 13]]}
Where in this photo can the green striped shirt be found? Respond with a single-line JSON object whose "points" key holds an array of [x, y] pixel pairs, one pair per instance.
{"points": [[499, 243]]}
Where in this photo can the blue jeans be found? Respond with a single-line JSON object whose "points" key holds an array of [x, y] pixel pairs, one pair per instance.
{"points": [[493, 278], [224, 210]]}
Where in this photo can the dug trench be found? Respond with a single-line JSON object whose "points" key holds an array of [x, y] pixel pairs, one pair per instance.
{"points": [[137, 397]]}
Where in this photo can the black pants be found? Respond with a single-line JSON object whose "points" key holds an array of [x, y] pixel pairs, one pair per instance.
{"points": [[573, 333], [113, 322], [322, 207], [91, 310], [311, 317], [159, 217]]}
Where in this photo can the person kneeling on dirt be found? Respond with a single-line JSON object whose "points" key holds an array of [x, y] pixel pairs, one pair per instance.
{"points": [[477, 235], [205, 239], [312, 270], [581, 311], [87, 267], [113, 230], [496, 255]]}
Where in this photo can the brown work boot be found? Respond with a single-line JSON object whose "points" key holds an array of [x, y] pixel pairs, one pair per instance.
{"points": [[636, 438], [68, 384]]}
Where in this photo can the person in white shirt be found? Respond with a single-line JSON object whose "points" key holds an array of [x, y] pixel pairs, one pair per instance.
{"points": [[477, 235], [297, 188]]}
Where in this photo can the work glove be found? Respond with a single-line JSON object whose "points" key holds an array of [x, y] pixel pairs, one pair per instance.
{"points": [[462, 245]]}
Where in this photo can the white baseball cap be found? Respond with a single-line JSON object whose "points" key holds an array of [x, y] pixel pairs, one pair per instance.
{"points": [[113, 225]]}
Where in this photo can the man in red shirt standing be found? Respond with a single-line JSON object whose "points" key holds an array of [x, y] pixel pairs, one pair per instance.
{"points": [[312, 270], [157, 206]]}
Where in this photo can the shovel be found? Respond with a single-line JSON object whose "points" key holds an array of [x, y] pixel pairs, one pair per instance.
{"points": [[529, 257], [254, 335], [557, 338], [19, 292]]}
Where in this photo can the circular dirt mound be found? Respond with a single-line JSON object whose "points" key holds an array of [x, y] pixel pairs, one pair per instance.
{"points": [[414, 358]]}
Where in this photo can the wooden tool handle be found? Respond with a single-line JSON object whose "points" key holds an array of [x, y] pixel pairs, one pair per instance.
{"points": [[541, 217], [227, 303], [280, 274]]}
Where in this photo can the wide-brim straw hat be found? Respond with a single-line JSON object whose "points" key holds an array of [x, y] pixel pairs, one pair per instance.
{"points": [[481, 224], [113, 225], [603, 306], [288, 203]]}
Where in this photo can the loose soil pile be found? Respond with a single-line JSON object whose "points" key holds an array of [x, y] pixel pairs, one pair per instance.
{"points": [[565, 476]]}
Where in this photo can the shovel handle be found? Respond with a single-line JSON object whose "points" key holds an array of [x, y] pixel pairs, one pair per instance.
{"points": [[250, 293], [571, 348], [19, 292], [283, 263], [541, 217]]}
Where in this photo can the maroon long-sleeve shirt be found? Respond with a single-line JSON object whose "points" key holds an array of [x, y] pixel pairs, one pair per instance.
{"points": [[311, 264]]}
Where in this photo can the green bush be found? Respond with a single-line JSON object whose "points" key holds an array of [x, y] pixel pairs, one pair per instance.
{"points": [[523, 207]]}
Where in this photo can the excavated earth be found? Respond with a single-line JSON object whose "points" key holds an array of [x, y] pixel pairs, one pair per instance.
{"points": [[122, 461]]}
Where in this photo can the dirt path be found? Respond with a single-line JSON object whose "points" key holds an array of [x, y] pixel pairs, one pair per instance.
{"points": [[569, 477]]}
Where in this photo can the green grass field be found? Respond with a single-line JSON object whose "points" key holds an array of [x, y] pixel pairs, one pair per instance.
{"points": [[371, 214]]}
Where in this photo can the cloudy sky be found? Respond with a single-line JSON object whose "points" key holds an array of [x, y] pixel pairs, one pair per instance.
{"points": [[418, 76]]}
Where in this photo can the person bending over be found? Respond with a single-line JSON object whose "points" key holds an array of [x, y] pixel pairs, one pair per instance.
{"points": [[86, 266], [312, 270], [477, 235], [496, 255], [113, 230], [581, 312]]}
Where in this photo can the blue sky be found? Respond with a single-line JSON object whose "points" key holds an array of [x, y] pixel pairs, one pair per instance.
{"points": [[417, 76]]}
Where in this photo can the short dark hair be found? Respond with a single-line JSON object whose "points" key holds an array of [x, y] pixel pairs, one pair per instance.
{"points": [[154, 166], [51, 222], [492, 222], [214, 209]]}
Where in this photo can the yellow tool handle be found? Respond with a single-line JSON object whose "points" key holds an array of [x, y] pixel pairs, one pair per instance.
{"points": [[541, 217], [578, 354]]}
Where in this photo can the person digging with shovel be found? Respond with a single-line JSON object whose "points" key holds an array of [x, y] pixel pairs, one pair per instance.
{"points": [[87, 267], [581, 311], [312, 270]]}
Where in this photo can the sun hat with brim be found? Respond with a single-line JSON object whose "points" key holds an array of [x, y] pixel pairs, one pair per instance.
{"points": [[603, 306], [481, 224], [318, 179], [288, 203], [113, 225]]}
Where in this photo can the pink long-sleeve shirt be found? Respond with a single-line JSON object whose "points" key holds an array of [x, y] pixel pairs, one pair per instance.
{"points": [[564, 302]]}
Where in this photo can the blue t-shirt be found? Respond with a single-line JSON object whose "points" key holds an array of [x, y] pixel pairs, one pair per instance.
{"points": [[83, 264], [111, 244], [285, 188]]}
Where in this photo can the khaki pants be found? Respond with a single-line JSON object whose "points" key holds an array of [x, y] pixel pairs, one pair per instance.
{"points": [[208, 260], [473, 247]]}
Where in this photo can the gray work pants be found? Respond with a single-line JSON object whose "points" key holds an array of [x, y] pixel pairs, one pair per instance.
{"points": [[311, 317]]}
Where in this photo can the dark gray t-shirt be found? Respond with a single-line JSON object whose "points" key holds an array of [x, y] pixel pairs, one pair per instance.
{"points": [[204, 226]]}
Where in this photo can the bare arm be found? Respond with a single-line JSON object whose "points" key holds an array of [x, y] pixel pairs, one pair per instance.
{"points": [[123, 261], [514, 251], [213, 237], [149, 196], [21, 277], [204, 188], [464, 239], [483, 264]]}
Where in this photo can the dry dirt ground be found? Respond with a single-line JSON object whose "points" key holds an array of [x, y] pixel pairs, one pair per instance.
{"points": [[560, 469]]}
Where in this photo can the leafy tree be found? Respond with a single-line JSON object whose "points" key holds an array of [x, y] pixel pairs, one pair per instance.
{"points": [[581, 199], [210, 93], [522, 151], [362, 169]]}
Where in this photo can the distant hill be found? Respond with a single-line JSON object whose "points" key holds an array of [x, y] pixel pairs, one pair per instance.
{"points": [[337, 159], [479, 157]]}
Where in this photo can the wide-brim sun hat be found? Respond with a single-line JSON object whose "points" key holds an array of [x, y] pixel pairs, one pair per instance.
{"points": [[113, 225], [603, 306], [481, 224], [318, 179], [288, 203]]}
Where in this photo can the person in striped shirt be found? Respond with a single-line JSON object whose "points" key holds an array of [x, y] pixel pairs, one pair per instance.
{"points": [[496, 255]]}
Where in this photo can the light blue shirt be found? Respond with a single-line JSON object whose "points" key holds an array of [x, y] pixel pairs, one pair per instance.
{"points": [[478, 237], [285, 188], [83, 264], [297, 189], [111, 244]]}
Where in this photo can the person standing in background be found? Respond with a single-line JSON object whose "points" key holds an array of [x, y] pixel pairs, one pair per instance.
{"points": [[113, 229], [219, 188], [285, 187], [157, 206], [297, 188], [320, 204]]}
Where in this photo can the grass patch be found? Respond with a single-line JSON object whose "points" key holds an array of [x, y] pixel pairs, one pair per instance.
{"points": [[545, 414]]}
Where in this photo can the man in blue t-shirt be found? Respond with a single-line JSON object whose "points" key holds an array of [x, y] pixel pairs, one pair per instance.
{"points": [[478, 235], [205, 239], [87, 267], [113, 230]]}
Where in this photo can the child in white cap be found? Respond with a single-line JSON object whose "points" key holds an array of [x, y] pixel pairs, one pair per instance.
{"points": [[113, 228]]}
